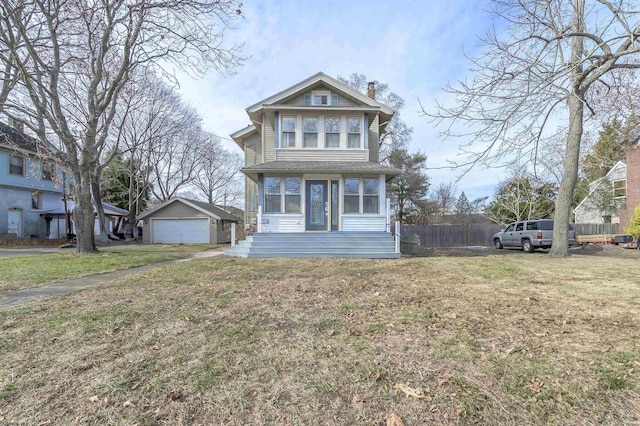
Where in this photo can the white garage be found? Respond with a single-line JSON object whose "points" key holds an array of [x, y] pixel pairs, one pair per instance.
{"points": [[183, 221], [176, 231]]}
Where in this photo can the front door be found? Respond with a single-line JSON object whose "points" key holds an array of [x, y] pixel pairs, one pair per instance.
{"points": [[317, 206], [15, 222]]}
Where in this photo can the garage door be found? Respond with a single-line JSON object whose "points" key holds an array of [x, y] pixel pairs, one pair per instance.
{"points": [[175, 231]]}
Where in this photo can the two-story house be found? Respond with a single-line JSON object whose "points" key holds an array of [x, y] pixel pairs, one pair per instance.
{"points": [[29, 186], [314, 184]]}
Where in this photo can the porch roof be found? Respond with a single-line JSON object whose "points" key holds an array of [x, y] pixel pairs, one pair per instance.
{"points": [[342, 167]]}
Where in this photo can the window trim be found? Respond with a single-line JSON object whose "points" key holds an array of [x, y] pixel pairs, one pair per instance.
{"points": [[52, 165], [624, 188], [282, 131], [274, 194], [38, 200], [283, 194], [361, 195], [9, 165], [339, 120], [354, 133], [304, 132]]}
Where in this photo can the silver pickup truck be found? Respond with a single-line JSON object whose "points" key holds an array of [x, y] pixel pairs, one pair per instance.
{"points": [[529, 235]]}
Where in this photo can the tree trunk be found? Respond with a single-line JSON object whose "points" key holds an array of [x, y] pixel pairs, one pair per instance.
{"points": [[83, 216], [564, 199], [95, 189]]}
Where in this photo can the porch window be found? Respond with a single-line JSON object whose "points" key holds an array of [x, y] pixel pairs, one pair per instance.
{"points": [[370, 196], [352, 195], [272, 195], [310, 132], [332, 132], [353, 133], [288, 132], [16, 165], [292, 195]]}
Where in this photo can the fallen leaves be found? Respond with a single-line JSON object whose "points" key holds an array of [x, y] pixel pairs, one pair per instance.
{"points": [[417, 393], [394, 419]]}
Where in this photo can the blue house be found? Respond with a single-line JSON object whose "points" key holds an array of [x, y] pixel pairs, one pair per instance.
{"points": [[29, 186]]}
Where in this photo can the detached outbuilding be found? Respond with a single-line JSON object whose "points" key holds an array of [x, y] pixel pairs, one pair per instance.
{"points": [[183, 221]]}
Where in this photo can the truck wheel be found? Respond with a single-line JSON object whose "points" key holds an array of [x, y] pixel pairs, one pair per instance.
{"points": [[497, 244], [527, 246]]}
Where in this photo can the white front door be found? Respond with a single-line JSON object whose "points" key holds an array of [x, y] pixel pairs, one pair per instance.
{"points": [[15, 222], [176, 231]]}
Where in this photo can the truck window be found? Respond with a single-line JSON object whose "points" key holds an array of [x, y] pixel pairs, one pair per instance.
{"points": [[546, 225], [519, 226], [509, 228], [532, 226]]}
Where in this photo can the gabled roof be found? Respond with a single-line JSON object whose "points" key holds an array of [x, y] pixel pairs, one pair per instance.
{"points": [[308, 83], [598, 182], [206, 208], [13, 138], [109, 209]]}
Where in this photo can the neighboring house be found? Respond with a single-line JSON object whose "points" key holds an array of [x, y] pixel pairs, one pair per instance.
{"points": [[114, 218], [180, 220], [588, 212], [624, 178], [31, 191], [313, 179], [29, 186], [234, 211]]}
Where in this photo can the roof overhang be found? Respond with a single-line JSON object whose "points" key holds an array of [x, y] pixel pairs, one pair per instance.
{"points": [[241, 135], [300, 167], [184, 201]]}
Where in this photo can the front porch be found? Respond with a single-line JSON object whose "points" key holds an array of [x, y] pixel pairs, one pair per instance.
{"points": [[368, 245]]}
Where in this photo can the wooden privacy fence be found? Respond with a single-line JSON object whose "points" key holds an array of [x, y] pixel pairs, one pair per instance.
{"points": [[595, 228], [441, 236], [438, 236]]}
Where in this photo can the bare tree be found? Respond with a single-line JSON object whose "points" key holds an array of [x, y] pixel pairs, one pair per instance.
{"points": [[553, 52], [75, 57], [444, 196], [217, 171], [397, 134]]}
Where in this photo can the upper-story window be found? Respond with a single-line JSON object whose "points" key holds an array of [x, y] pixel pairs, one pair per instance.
{"points": [[288, 132], [332, 132], [310, 132], [16, 165], [353, 132], [620, 188], [321, 98], [48, 170]]}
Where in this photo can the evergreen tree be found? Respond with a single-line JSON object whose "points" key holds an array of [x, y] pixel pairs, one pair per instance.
{"points": [[410, 187], [611, 147]]}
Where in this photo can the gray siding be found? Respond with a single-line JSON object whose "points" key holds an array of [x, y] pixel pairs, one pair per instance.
{"points": [[32, 223], [342, 101], [373, 139], [177, 210], [269, 140], [289, 154]]}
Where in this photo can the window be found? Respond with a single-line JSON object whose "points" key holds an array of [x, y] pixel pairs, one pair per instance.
{"points": [[353, 133], [321, 100], [334, 100], [332, 132], [307, 99], [16, 165], [519, 226], [48, 170], [509, 228], [620, 188], [292, 195], [288, 132], [352, 195], [370, 196], [310, 132], [272, 195], [532, 226], [36, 200]]}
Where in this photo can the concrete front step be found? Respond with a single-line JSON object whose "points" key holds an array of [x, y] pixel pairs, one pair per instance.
{"points": [[334, 244]]}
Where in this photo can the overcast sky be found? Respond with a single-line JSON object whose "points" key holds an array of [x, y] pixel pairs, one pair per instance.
{"points": [[414, 46]]}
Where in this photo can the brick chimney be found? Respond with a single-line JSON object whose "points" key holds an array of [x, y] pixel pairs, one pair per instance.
{"points": [[371, 90], [633, 186]]}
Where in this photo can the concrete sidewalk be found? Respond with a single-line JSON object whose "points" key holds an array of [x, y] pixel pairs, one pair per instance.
{"points": [[65, 287]]}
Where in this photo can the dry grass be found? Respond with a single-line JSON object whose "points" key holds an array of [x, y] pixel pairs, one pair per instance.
{"points": [[20, 272], [518, 339]]}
